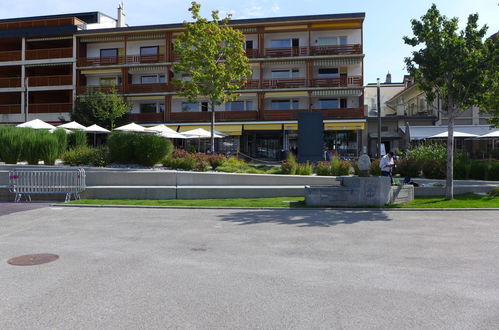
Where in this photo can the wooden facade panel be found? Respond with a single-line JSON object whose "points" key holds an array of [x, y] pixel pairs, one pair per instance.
{"points": [[6, 109], [50, 107]]}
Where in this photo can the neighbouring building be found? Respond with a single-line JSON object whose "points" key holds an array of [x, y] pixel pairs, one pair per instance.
{"points": [[300, 64]]}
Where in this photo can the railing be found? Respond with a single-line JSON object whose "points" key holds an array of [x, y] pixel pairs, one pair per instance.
{"points": [[219, 116], [286, 52], [149, 88], [285, 83], [336, 50], [10, 82], [129, 59], [252, 53], [326, 113], [6, 109], [49, 107], [104, 89], [134, 59], [49, 80], [146, 117], [10, 55], [337, 82], [37, 54], [251, 84]]}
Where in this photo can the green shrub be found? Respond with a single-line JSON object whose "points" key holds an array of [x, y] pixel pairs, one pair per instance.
{"points": [[84, 155], [62, 139], [77, 139], [11, 143], [428, 151], [408, 167], [375, 170], [216, 160], [150, 149], [305, 169], [121, 147], [49, 148], [494, 192], [494, 170], [462, 169], [323, 168], [290, 165], [434, 169]]}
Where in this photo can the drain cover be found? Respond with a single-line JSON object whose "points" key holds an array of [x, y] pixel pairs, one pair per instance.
{"points": [[33, 259]]}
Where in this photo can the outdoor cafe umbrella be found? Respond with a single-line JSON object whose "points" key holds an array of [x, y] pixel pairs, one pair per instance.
{"points": [[165, 131], [96, 129], [493, 134], [72, 125], [199, 134], [456, 134], [36, 124], [132, 127]]}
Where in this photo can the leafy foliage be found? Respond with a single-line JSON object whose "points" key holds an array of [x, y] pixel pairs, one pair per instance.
{"points": [[83, 155], [77, 139], [133, 148]]}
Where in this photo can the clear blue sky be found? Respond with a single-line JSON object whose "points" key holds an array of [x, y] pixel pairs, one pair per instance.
{"points": [[387, 21]]}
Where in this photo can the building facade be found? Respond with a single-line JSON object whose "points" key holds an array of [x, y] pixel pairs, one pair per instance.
{"points": [[299, 64]]}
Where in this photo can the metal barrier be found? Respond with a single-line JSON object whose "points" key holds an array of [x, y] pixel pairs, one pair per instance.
{"points": [[28, 181]]}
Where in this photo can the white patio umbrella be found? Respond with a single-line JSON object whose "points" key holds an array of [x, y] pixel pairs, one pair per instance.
{"points": [[132, 127], [67, 131], [200, 133], [493, 134], [72, 125], [456, 134], [36, 124], [165, 131], [96, 129]]}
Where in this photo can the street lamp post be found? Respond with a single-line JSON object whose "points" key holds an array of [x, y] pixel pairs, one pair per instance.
{"points": [[379, 118], [26, 81]]}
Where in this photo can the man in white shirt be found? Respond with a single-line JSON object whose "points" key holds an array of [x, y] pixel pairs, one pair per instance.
{"points": [[387, 164]]}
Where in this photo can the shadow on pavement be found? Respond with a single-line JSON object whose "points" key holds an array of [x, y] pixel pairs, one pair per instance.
{"points": [[305, 218], [9, 207]]}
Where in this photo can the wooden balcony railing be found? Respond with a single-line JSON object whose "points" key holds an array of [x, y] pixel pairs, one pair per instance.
{"points": [[336, 50], [50, 80], [134, 59], [104, 89], [49, 107], [252, 53], [344, 81], [286, 52], [113, 60], [10, 55], [251, 84], [151, 117], [285, 83], [219, 116], [37, 54], [6, 109], [149, 88], [346, 113], [10, 82]]}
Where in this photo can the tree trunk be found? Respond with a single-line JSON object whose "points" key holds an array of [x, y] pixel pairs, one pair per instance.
{"points": [[449, 184], [212, 144]]}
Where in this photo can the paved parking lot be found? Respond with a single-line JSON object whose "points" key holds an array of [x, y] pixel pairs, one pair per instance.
{"points": [[250, 269]]}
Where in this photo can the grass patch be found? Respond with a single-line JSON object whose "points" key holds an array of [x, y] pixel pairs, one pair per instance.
{"points": [[459, 201], [283, 202]]}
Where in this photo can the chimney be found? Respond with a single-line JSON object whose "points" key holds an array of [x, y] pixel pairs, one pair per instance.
{"points": [[388, 79], [121, 16]]}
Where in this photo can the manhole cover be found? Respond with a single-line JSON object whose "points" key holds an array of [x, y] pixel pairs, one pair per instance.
{"points": [[198, 249], [33, 259]]}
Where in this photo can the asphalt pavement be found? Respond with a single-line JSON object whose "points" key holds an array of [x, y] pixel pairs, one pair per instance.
{"points": [[250, 269]]}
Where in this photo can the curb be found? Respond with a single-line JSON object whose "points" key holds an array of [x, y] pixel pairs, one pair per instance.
{"points": [[266, 208]]}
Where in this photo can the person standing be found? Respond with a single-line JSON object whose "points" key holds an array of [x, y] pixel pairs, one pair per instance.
{"points": [[387, 164]]}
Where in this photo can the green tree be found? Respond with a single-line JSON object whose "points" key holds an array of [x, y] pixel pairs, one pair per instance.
{"points": [[212, 55], [452, 65], [105, 109]]}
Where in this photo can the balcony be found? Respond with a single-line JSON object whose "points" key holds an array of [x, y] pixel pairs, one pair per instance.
{"points": [[13, 82], [251, 84], [12, 55], [6, 109], [38, 54], [252, 53], [151, 117], [36, 81], [285, 83], [103, 89], [114, 60], [219, 116], [137, 59], [149, 88], [50, 107], [336, 50], [341, 113], [286, 52], [343, 81]]}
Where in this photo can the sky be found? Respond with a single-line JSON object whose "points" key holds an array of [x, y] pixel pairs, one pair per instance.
{"points": [[386, 22]]}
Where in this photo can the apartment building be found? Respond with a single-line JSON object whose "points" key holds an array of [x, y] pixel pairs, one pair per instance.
{"points": [[299, 64]]}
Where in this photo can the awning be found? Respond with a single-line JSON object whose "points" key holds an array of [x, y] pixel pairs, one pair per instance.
{"points": [[101, 71], [426, 132], [263, 127], [160, 69], [142, 98], [230, 129], [290, 126], [287, 94], [337, 61], [343, 126], [338, 92], [174, 127]]}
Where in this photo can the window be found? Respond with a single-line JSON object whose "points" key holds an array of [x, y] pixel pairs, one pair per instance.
{"points": [[281, 43], [328, 72], [162, 78], [144, 51], [343, 103], [107, 81], [284, 105], [111, 52], [249, 44], [161, 107], [328, 103], [148, 79], [148, 108], [285, 73], [239, 106], [204, 106], [331, 41], [190, 107]]}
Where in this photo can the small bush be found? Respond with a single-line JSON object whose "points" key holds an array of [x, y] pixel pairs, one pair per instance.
{"points": [[408, 167], [428, 151], [305, 169], [11, 143], [133, 148], [121, 147], [290, 165], [375, 170], [77, 139], [84, 155], [323, 168], [434, 169], [494, 192], [216, 160], [62, 139], [49, 148], [462, 169]]}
